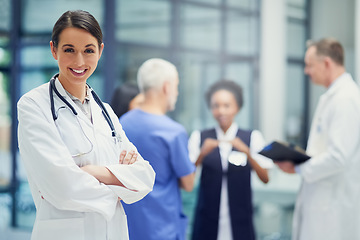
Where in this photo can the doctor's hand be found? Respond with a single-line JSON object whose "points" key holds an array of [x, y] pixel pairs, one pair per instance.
{"points": [[128, 158], [286, 166]]}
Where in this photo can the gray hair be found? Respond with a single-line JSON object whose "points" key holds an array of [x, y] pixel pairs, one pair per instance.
{"points": [[154, 72]]}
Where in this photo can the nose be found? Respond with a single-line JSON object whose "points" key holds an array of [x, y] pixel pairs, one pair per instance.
{"points": [[79, 59], [221, 110]]}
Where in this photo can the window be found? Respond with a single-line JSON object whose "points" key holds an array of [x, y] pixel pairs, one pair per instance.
{"points": [[206, 40], [297, 84]]}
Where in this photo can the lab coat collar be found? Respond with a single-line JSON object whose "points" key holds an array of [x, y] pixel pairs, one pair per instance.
{"points": [[343, 78]]}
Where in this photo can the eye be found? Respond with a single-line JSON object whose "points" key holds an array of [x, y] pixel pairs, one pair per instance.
{"points": [[68, 50], [214, 106], [89, 50]]}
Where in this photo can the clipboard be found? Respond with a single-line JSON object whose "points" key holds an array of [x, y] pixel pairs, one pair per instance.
{"points": [[279, 151]]}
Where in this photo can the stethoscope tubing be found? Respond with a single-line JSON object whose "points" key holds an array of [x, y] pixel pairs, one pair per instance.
{"points": [[52, 88]]}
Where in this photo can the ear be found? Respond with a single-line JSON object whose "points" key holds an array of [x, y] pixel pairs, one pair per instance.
{"points": [[53, 50], [101, 49], [166, 87], [328, 62]]}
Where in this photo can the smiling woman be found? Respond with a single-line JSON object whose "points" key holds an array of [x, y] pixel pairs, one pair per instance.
{"points": [[78, 160], [77, 48]]}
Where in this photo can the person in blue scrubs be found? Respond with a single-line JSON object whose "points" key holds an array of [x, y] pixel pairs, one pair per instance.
{"points": [[163, 142]]}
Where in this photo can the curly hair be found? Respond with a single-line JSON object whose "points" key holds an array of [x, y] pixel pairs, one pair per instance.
{"points": [[228, 85]]}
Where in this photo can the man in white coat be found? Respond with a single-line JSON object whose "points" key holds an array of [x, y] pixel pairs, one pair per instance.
{"points": [[328, 204]]}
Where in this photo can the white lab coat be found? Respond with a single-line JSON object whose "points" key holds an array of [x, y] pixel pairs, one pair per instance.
{"points": [[70, 203], [328, 203]]}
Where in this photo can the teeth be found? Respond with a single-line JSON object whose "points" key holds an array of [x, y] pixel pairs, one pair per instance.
{"points": [[78, 71]]}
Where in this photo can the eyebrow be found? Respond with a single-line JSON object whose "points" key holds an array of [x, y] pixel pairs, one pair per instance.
{"points": [[70, 45]]}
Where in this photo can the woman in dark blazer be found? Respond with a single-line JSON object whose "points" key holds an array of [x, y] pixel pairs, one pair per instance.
{"points": [[226, 154]]}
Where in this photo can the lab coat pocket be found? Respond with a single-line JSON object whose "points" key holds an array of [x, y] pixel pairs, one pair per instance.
{"points": [[60, 229]]}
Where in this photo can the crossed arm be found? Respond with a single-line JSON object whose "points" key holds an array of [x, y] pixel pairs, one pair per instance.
{"points": [[104, 175]]}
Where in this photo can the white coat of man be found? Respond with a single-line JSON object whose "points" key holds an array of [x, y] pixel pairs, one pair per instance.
{"points": [[327, 206]]}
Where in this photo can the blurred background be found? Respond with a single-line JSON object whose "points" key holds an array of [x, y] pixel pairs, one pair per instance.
{"points": [[258, 43]]}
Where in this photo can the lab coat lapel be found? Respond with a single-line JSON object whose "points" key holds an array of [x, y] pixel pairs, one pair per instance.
{"points": [[98, 119], [316, 128]]}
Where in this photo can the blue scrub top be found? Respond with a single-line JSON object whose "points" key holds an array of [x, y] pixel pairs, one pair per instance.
{"points": [[163, 142]]}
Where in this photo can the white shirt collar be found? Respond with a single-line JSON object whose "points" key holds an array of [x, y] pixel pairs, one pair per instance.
{"points": [[230, 133]]}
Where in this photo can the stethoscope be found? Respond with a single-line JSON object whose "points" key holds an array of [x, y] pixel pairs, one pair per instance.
{"points": [[52, 89]]}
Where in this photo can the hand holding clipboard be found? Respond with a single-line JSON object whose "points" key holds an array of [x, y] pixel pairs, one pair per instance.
{"points": [[278, 152]]}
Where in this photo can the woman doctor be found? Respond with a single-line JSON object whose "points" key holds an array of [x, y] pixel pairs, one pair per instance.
{"points": [[78, 159]]}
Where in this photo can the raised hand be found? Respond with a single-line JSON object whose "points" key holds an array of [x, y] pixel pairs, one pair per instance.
{"points": [[209, 145], [240, 145]]}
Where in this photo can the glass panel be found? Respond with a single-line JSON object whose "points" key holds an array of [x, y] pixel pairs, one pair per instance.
{"points": [[242, 34], [4, 41], [217, 2], [241, 73], [25, 209], [5, 15], [296, 41], [41, 15], [200, 27], [246, 4], [143, 21], [32, 79], [131, 58], [295, 90], [296, 12], [5, 130], [5, 57], [299, 3], [197, 73], [38, 56]]}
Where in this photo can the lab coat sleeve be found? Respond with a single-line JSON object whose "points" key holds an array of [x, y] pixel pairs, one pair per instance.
{"points": [[342, 141], [138, 178], [257, 143], [50, 166], [194, 145]]}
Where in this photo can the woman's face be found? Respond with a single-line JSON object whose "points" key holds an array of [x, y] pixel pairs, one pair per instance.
{"points": [[224, 108], [77, 54]]}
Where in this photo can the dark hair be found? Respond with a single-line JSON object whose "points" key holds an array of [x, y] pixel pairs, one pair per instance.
{"points": [[77, 19], [228, 85], [122, 98], [329, 47]]}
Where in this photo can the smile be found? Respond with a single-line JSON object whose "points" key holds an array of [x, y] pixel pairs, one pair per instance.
{"points": [[78, 71]]}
